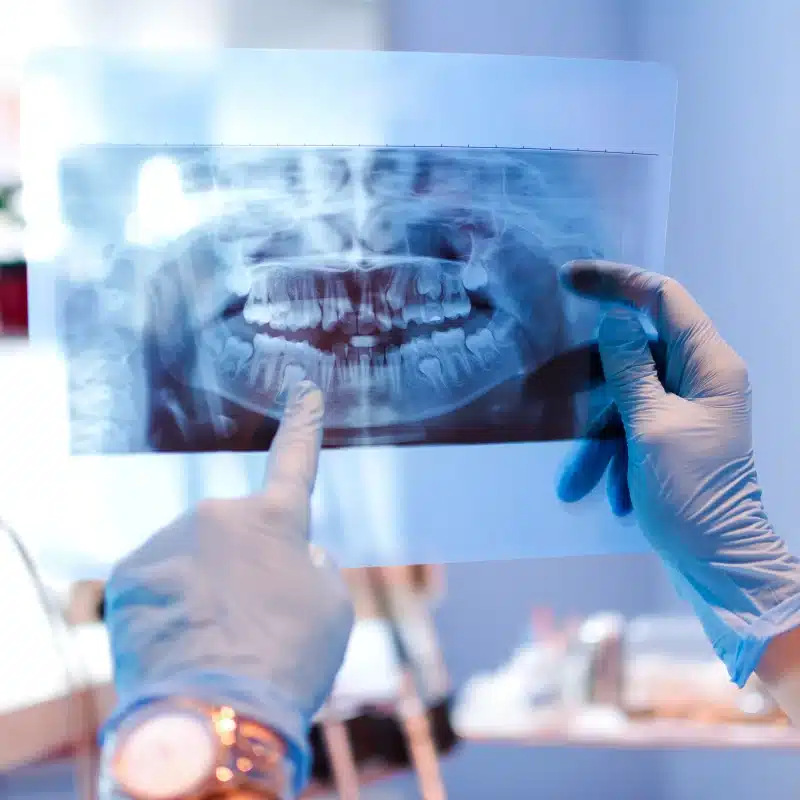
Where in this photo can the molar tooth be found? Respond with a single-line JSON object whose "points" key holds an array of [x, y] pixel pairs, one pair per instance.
{"points": [[431, 368], [482, 346], [452, 346], [256, 314], [446, 338], [432, 313], [455, 303]]}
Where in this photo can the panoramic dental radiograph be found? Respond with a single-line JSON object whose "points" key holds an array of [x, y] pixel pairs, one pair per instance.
{"points": [[416, 286]]}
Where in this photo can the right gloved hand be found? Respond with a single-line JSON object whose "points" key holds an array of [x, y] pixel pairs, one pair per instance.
{"points": [[686, 465]]}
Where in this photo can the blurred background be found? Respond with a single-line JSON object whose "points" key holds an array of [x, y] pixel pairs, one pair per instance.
{"points": [[564, 678]]}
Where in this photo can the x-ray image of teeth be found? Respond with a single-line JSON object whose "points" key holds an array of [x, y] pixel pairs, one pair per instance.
{"points": [[417, 287]]}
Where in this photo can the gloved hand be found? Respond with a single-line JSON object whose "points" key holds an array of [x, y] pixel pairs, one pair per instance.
{"points": [[686, 463], [226, 606]]}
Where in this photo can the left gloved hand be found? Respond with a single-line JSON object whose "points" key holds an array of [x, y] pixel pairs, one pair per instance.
{"points": [[226, 606], [686, 464]]}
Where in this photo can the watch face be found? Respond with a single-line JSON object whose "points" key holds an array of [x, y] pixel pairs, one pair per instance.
{"points": [[166, 757]]}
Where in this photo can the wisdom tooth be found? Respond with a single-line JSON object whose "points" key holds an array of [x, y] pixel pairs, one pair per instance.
{"points": [[502, 328], [474, 276], [482, 346], [235, 356]]}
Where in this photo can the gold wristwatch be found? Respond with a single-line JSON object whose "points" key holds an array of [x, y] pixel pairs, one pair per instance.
{"points": [[182, 750]]}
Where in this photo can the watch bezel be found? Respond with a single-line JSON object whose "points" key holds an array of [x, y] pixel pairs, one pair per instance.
{"points": [[235, 739], [132, 726]]}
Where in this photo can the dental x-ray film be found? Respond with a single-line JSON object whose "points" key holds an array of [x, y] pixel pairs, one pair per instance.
{"points": [[417, 287], [388, 225]]}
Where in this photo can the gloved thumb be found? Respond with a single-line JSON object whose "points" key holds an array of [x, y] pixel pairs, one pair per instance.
{"points": [[628, 365]]}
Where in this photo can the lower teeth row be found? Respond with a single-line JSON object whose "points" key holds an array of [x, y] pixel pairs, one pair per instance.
{"points": [[442, 359]]}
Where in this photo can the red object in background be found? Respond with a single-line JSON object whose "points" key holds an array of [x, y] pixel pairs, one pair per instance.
{"points": [[13, 300]]}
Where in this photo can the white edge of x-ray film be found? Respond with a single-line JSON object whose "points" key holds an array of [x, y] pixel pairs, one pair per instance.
{"points": [[372, 505]]}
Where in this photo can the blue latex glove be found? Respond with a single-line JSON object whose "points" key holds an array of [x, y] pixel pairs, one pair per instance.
{"points": [[225, 605], [686, 464]]}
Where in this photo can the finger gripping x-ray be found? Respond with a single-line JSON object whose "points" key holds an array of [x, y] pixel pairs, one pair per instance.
{"points": [[417, 287]]}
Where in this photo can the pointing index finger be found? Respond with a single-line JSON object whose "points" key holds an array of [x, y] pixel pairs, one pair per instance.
{"points": [[294, 455]]}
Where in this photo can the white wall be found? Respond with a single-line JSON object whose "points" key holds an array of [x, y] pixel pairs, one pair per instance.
{"points": [[560, 28], [735, 207]]}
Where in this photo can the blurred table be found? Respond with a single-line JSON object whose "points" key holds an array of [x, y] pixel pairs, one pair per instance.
{"points": [[654, 734]]}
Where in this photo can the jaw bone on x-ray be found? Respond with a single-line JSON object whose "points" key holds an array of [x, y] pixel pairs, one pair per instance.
{"points": [[417, 287]]}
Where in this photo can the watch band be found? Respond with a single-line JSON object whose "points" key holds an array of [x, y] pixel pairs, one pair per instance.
{"points": [[249, 756]]}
